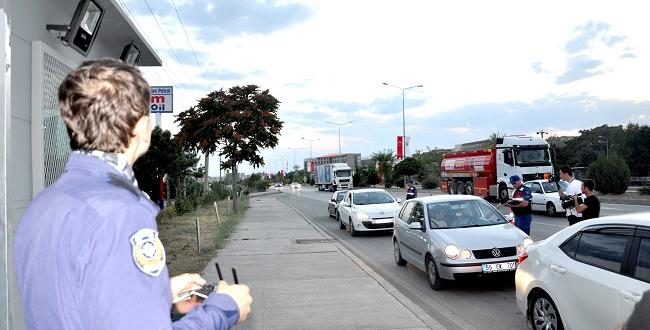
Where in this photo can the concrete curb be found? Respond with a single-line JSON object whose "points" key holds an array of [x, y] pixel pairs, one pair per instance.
{"points": [[264, 193], [405, 301]]}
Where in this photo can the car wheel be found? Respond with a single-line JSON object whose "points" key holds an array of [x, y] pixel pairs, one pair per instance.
{"points": [[551, 211], [338, 217], [469, 188], [460, 188], [353, 232], [398, 255], [544, 313], [503, 193], [435, 281], [451, 187]]}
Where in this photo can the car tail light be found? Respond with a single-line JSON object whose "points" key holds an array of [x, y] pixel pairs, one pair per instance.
{"points": [[522, 256]]}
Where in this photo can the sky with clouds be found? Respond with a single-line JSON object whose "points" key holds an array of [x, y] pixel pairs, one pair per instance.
{"points": [[512, 67]]}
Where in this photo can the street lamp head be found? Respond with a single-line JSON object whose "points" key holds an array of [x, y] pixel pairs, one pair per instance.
{"points": [[385, 84]]}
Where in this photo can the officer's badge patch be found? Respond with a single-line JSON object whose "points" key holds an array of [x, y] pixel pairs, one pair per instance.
{"points": [[148, 251]]}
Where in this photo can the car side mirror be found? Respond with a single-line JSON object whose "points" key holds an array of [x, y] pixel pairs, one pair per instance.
{"points": [[415, 226], [333, 200], [398, 200], [345, 204]]}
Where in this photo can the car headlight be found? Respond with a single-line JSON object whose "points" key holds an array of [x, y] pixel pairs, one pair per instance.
{"points": [[362, 216], [524, 245], [452, 252], [466, 254]]}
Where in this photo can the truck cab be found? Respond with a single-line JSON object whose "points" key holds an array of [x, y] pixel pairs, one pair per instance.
{"points": [[476, 169]]}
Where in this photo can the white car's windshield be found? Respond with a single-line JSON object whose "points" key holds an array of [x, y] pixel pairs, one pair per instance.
{"points": [[340, 195], [462, 214], [551, 187], [372, 197]]}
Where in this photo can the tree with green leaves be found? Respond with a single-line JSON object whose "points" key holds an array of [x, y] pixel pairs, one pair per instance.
{"points": [[164, 157], [385, 161], [238, 122], [408, 167], [611, 174]]}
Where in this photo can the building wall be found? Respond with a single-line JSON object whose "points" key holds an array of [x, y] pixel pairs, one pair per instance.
{"points": [[26, 22]]}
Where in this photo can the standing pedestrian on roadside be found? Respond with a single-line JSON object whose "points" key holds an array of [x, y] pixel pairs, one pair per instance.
{"points": [[520, 204], [87, 252], [411, 192], [573, 189], [590, 208]]}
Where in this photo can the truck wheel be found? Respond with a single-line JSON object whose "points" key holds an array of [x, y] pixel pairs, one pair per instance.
{"points": [[469, 188], [450, 187], [503, 193], [460, 188]]}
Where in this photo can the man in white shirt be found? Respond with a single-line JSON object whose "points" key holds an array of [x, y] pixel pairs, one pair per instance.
{"points": [[574, 189]]}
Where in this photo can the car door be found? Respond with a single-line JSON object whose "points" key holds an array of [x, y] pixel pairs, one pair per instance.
{"points": [[345, 208], [586, 284], [417, 238], [633, 287], [402, 226]]}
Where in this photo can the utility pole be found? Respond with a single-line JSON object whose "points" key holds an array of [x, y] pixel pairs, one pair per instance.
{"points": [[403, 115], [339, 125], [542, 132]]}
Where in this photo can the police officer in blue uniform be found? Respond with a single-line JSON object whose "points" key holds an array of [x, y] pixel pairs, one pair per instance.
{"points": [[520, 204], [87, 252], [411, 192]]}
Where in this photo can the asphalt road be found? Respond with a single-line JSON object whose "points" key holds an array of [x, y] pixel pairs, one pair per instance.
{"points": [[485, 303]]}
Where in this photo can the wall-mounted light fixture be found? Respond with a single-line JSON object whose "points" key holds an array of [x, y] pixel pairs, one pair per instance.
{"points": [[82, 30], [130, 54]]}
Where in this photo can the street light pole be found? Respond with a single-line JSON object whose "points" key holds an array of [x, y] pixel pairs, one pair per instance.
{"points": [[542, 132], [606, 145], [339, 125], [403, 114], [310, 141]]}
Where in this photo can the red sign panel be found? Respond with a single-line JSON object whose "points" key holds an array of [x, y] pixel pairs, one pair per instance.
{"points": [[400, 147], [313, 167]]}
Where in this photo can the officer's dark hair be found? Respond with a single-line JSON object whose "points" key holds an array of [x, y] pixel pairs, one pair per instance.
{"points": [[589, 183], [101, 101], [566, 170]]}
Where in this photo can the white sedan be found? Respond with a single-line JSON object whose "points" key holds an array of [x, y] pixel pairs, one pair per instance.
{"points": [[587, 276], [296, 186], [546, 196], [367, 210]]}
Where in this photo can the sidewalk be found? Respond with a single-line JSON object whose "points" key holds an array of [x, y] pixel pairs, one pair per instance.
{"points": [[302, 279]]}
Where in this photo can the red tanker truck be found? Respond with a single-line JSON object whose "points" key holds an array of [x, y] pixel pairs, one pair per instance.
{"points": [[473, 169]]}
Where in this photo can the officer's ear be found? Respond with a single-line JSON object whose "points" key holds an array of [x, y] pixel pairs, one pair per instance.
{"points": [[142, 130]]}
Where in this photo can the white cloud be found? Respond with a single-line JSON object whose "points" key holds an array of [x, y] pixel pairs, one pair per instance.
{"points": [[341, 54]]}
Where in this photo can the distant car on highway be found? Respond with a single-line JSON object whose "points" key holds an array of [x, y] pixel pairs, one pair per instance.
{"points": [[587, 276], [452, 236], [367, 210], [278, 186], [333, 204], [296, 186], [546, 196]]}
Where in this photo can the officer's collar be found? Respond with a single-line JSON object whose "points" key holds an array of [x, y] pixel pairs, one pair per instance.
{"points": [[115, 160]]}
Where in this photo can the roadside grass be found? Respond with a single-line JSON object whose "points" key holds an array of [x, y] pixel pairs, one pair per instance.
{"points": [[178, 235]]}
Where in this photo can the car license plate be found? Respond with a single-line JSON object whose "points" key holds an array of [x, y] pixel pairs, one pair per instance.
{"points": [[499, 267]]}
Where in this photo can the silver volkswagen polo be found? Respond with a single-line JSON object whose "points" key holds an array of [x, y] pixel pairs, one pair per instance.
{"points": [[447, 236]]}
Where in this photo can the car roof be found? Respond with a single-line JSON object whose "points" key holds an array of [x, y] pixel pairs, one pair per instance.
{"points": [[367, 190], [642, 218], [446, 198]]}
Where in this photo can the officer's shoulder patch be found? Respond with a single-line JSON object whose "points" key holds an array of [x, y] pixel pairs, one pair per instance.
{"points": [[148, 251]]}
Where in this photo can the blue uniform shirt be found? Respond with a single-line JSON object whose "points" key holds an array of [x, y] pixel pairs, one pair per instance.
{"points": [[87, 256], [411, 192]]}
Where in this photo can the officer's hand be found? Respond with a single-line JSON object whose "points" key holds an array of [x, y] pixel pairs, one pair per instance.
{"points": [[240, 294], [185, 282]]}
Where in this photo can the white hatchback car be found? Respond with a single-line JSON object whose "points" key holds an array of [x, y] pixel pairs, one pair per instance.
{"points": [[546, 196], [367, 210], [587, 276]]}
